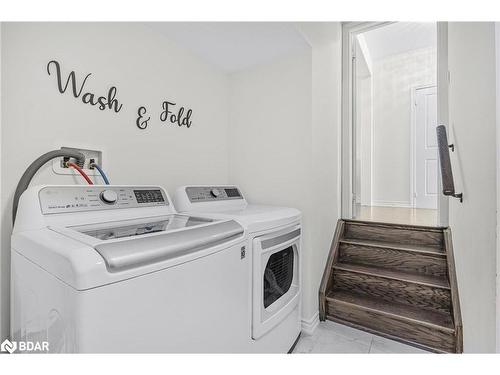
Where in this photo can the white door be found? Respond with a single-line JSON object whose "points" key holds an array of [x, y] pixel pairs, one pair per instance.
{"points": [[426, 153]]}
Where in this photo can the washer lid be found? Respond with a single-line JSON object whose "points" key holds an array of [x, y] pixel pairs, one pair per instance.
{"points": [[256, 218], [143, 250], [132, 228]]}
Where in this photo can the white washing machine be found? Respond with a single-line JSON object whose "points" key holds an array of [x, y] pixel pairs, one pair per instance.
{"points": [[116, 269], [274, 237]]}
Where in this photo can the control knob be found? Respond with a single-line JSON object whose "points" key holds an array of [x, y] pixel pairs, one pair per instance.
{"points": [[215, 192], [109, 196]]}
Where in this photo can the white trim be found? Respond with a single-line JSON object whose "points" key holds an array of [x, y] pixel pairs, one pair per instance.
{"points": [[349, 31], [310, 325], [372, 137], [402, 204], [413, 141], [443, 108]]}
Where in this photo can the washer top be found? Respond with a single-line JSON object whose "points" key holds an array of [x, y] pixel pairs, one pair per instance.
{"points": [[229, 203], [79, 235]]}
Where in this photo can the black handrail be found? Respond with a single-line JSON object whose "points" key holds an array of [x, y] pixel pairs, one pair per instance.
{"points": [[444, 158]]}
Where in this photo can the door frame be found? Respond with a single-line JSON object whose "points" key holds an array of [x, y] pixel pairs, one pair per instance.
{"points": [[349, 31], [348, 144], [413, 141]]}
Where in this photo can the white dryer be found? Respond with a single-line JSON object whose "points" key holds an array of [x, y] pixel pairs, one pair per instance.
{"points": [[274, 237], [116, 269]]}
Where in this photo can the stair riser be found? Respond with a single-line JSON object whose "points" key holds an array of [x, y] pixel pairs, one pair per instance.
{"points": [[423, 296], [413, 331], [393, 259], [394, 234]]}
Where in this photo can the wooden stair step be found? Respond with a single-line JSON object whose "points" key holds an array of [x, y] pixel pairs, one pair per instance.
{"points": [[410, 324], [430, 250], [429, 318], [403, 234], [428, 293], [434, 282], [388, 256]]}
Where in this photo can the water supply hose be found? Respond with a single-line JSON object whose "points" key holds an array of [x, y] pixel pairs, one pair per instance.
{"points": [[35, 166], [80, 170], [101, 172]]}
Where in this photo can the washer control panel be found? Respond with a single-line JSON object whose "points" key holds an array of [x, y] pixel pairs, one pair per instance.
{"points": [[212, 193], [65, 199]]}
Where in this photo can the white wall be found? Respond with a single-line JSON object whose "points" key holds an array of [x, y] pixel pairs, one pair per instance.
{"points": [[324, 187], [497, 64], [270, 127], [393, 78], [271, 139], [471, 56], [284, 147], [147, 69]]}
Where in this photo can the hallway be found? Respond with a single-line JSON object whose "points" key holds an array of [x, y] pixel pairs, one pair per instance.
{"points": [[399, 215]]}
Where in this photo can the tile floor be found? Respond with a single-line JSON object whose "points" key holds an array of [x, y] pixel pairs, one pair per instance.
{"points": [[400, 215], [331, 337]]}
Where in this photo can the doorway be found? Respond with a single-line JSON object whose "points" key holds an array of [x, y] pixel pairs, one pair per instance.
{"points": [[390, 112]]}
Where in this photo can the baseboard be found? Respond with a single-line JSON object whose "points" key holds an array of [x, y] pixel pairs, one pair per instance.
{"points": [[310, 325], [401, 204]]}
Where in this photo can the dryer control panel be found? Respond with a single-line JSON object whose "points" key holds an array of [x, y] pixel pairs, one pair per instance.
{"points": [[212, 193], [66, 199]]}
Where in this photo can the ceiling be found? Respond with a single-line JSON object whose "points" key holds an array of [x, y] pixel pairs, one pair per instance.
{"points": [[399, 37], [234, 46]]}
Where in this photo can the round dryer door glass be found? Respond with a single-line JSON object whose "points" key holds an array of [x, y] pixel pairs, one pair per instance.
{"points": [[278, 275]]}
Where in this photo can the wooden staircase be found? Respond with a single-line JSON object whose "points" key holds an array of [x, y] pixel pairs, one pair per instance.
{"points": [[397, 281]]}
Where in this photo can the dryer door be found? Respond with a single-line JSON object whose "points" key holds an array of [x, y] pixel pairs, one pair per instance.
{"points": [[276, 278]]}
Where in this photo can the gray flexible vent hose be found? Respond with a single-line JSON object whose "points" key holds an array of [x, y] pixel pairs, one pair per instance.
{"points": [[36, 165]]}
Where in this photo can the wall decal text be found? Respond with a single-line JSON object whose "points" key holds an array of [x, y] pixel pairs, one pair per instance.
{"points": [[103, 102], [179, 118], [142, 122], [170, 112]]}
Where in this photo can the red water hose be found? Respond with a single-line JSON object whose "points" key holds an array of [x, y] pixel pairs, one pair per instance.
{"points": [[80, 170]]}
